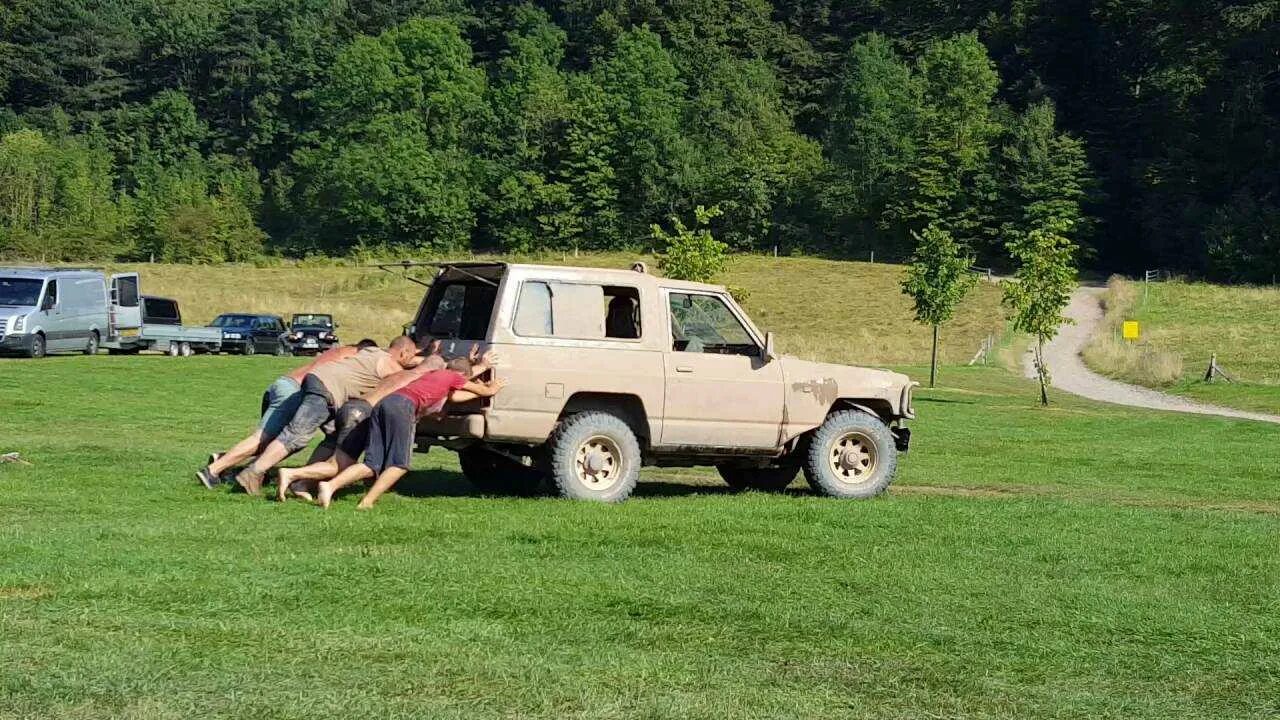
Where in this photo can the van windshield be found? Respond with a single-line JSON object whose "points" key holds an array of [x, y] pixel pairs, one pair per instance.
{"points": [[20, 292]]}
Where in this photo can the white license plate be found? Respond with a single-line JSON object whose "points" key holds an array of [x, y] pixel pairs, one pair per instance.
{"points": [[309, 342]]}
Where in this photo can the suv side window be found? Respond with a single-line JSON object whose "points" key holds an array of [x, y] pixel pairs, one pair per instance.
{"points": [[577, 311], [705, 324]]}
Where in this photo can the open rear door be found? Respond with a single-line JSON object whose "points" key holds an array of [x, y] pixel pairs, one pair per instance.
{"points": [[126, 305]]}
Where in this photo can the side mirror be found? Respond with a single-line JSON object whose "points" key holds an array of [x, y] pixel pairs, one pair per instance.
{"points": [[770, 353]]}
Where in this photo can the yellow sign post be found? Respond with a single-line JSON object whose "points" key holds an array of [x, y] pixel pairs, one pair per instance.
{"points": [[1130, 330]]}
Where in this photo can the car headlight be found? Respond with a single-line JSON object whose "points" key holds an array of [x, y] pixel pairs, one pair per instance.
{"points": [[232, 336], [19, 324]]}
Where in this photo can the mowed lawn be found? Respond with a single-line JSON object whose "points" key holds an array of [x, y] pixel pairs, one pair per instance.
{"points": [[1079, 561]]}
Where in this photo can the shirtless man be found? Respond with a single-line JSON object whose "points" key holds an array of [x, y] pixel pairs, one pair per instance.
{"points": [[389, 451], [278, 404], [353, 423], [324, 390]]}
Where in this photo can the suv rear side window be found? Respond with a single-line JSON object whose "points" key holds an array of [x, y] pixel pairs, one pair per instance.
{"points": [[705, 324], [577, 311], [461, 310]]}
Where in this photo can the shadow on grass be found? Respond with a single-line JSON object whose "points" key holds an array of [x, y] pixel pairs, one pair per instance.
{"points": [[447, 483], [944, 401]]}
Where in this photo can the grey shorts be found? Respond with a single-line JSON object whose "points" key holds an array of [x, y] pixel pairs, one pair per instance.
{"points": [[353, 427], [279, 403], [391, 430], [314, 409]]}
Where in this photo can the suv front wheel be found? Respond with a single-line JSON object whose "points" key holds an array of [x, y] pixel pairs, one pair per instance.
{"points": [[594, 456], [852, 455]]}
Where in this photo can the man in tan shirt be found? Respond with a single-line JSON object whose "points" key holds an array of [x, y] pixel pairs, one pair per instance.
{"points": [[324, 390]]}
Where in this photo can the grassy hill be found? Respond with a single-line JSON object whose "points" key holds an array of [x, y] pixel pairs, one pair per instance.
{"points": [[820, 309], [1183, 325]]}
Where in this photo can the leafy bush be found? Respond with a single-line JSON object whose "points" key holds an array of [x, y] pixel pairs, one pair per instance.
{"points": [[692, 254]]}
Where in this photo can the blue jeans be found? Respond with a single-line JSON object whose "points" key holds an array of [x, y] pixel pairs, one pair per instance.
{"points": [[279, 403]]}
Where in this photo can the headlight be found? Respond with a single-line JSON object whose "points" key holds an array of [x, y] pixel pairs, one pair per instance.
{"points": [[295, 336], [232, 336], [19, 324]]}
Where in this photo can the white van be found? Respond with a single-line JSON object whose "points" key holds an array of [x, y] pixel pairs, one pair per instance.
{"points": [[46, 310]]}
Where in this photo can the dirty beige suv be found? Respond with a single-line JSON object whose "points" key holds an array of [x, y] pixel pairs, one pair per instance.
{"points": [[609, 370]]}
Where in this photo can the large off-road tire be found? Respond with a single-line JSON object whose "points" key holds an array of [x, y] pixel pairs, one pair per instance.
{"points": [[594, 456], [768, 479], [37, 348], [494, 474], [91, 347], [851, 455]]}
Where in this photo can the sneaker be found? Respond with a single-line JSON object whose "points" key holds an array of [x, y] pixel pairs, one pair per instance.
{"points": [[207, 478], [250, 480]]}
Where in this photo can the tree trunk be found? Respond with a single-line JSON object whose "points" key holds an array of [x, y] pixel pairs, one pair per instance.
{"points": [[1042, 372], [933, 360]]}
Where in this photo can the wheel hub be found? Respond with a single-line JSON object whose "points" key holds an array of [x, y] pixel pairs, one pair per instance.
{"points": [[853, 458], [599, 462]]}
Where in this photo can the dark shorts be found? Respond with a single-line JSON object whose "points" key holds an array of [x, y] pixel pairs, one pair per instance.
{"points": [[315, 409], [391, 430], [353, 427]]}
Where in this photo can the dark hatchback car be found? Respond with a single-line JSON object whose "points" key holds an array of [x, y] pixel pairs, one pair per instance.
{"points": [[249, 334], [311, 333]]}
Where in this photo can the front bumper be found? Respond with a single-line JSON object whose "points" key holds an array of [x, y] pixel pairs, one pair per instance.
{"points": [[15, 343], [233, 344], [311, 345], [443, 431]]}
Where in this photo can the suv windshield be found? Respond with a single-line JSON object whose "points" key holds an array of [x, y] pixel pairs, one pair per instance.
{"points": [[240, 321], [313, 321], [459, 309], [24, 292]]}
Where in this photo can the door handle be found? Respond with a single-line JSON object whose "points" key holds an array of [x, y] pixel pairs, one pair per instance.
{"points": [[683, 369]]}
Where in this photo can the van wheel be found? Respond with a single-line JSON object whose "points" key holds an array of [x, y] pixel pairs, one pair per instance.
{"points": [[852, 455], [768, 479], [594, 456], [37, 348], [495, 474], [92, 347]]}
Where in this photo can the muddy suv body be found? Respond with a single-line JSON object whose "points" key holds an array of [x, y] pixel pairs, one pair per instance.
{"points": [[609, 370]]}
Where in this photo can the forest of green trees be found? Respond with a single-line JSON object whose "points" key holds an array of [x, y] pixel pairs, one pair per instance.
{"points": [[226, 129]]}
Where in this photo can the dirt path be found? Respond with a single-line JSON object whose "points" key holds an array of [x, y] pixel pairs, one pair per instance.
{"points": [[1069, 373]]}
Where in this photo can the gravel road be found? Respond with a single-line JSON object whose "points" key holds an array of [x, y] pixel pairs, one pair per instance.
{"points": [[1068, 372]]}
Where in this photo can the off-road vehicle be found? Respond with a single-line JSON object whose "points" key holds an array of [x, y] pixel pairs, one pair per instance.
{"points": [[609, 370]]}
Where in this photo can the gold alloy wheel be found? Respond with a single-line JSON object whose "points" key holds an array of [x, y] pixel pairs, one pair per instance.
{"points": [[598, 463], [853, 458]]}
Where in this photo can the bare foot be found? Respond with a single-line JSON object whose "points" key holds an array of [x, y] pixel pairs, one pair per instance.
{"points": [[249, 480], [303, 495], [325, 495], [364, 505], [282, 484]]}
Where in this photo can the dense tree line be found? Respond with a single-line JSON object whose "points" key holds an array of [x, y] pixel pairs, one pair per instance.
{"points": [[1146, 131]]}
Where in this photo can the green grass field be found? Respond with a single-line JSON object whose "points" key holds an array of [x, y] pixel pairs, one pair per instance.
{"points": [[1193, 322], [821, 309], [1078, 561]]}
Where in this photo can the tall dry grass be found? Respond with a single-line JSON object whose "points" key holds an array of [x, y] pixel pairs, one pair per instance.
{"points": [[1138, 362], [820, 309]]}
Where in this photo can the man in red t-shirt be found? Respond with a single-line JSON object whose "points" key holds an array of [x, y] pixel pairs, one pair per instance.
{"points": [[389, 451]]}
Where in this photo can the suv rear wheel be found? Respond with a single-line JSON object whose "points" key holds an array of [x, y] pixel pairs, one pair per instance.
{"points": [[496, 474], [852, 455], [768, 479], [594, 456]]}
